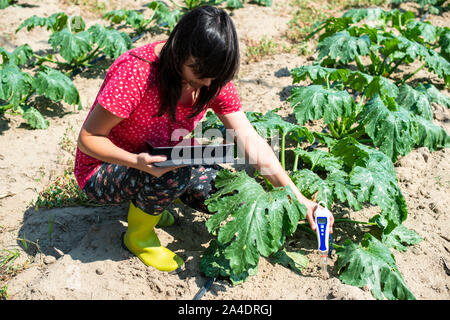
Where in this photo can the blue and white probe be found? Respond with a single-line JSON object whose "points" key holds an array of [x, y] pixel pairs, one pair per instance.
{"points": [[322, 219]]}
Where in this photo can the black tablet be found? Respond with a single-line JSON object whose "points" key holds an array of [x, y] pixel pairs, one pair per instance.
{"points": [[203, 154]]}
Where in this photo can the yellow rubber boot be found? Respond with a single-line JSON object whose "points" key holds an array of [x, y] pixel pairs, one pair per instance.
{"points": [[142, 241], [167, 218]]}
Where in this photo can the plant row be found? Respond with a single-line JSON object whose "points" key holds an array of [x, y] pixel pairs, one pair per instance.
{"points": [[24, 74], [370, 120]]}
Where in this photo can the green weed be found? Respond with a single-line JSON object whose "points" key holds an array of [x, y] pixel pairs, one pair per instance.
{"points": [[4, 292], [257, 50], [346, 4], [7, 258], [443, 184], [63, 192], [307, 14]]}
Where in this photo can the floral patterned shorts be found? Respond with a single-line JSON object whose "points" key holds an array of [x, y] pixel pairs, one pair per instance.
{"points": [[113, 183]]}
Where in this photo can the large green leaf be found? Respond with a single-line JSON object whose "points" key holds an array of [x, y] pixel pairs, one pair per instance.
{"points": [[438, 65], [309, 183], [344, 47], [163, 15], [434, 95], [134, 18], [55, 22], [318, 74], [355, 80], [214, 264], [372, 264], [19, 56], [444, 42], [112, 42], [234, 4], [335, 186], [259, 221], [354, 153], [320, 160], [271, 124], [5, 3], [72, 46], [48, 22], [370, 14], [56, 86], [416, 101], [397, 17], [393, 132], [117, 16], [373, 175], [379, 188], [14, 84], [315, 102], [408, 50], [398, 237], [421, 31], [431, 135], [402, 48], [34, 118], [296, 260]]}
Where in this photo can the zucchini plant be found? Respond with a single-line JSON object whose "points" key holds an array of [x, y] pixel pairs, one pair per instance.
{"points": [[370, 120], [254, 220], [394, 119], [432, 6], [74, 43], [344, 41], [18, 86], [6, 3], [24, 74], [166, 16]]}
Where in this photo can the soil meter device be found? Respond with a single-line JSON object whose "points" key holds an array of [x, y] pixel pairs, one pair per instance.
{"points": [[322, 220]]}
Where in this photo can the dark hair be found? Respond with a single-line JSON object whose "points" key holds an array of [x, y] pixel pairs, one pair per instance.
{"points": [[208, 35]]}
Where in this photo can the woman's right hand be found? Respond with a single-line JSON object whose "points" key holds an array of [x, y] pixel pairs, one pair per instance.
{"points": [[145, 163]]}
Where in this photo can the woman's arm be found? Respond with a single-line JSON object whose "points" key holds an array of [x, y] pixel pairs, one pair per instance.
{"points": [[93, 140], [259, 154]]}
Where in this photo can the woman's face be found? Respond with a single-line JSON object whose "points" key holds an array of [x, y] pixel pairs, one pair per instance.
{"points": [[190, 78]]}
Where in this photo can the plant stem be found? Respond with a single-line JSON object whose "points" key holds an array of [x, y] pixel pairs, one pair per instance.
{"points": [[6, 107], [333, 131], [357, 128], [49, 60], [381, 70], [355, 221], [296, 159], [268, 184], [307, 228], [283, 150], [11, 105], [87, 58], [391, 70], [359, 132], [360, 65], [411, 75]]}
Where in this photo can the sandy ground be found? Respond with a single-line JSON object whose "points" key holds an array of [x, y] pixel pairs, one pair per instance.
{"points": [[84, 258]]}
